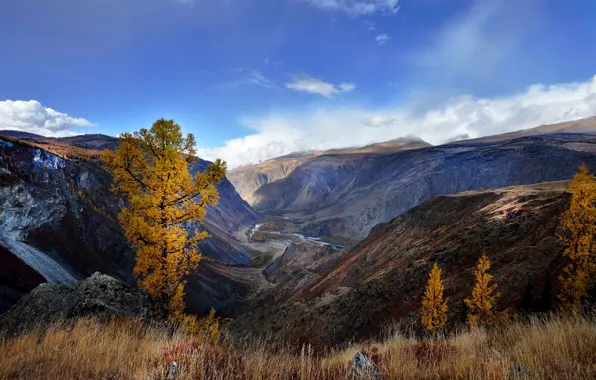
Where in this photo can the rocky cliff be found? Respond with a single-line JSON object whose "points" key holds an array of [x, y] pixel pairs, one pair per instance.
{"points": [[59, 218]]}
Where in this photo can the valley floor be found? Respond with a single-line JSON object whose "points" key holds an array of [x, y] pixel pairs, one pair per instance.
{"points": [[541, 348], [264, 250]]}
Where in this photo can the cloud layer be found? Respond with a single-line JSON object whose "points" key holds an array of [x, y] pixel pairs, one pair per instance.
{"points": [[335, 127], [358, 7], [31, 116], [305, 83]]}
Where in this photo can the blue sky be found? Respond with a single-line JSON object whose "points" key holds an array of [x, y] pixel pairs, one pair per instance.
{"points": [[253, 79]]}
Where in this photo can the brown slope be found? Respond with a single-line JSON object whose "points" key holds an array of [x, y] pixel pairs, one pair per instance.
{"points": [[249, 178], [383, 277]]}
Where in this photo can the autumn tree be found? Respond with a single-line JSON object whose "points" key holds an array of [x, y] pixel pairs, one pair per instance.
{"points": [[165, 205], [434, 308], [579, 233], [481, 306]]}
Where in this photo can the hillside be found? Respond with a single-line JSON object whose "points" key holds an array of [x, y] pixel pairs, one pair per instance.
{"points": [[345, 196], [59, 213], [249, 178], [325, 298], [353, 295]]}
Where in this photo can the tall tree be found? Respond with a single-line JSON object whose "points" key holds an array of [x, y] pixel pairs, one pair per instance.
{"points": [[481, 305], [151, 168], [434, 308], [579, 238]]}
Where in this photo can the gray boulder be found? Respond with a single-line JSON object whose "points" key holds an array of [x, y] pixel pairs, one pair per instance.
{"points": [[362, 368], [100, 296]]}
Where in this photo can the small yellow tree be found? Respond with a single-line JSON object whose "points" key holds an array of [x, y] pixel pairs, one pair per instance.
{"points": [[481, 305], [151, 168], [579, 234], [434, 308]]}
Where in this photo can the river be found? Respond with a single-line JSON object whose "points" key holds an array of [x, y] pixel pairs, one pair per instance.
{"points": [[318, 241]]}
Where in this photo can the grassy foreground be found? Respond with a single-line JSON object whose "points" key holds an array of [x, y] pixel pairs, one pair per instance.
{"points": [[546, 348]]}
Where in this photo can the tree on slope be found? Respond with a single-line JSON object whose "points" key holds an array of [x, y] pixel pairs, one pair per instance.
{"points": [[579, 234], [434, 308], [481, 306], [151, 168]]}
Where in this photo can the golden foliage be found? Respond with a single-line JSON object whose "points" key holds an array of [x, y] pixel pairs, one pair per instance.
{"points": [[151, 168], [481, 305], [208, 325], [434, 308], [579, 226]]}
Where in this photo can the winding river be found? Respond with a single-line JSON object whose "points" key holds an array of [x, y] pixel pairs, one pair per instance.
{"points": [[314, 240]]}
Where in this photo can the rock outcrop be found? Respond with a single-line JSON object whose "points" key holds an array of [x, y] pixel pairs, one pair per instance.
{"points": [[99, 296], [362, 368]]}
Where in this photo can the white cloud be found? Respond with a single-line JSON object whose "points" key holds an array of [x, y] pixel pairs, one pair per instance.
{"points": [[378, 121], [305, 83], [336, 127], [358, 7], [31, 116], [346, 87], [255, 77], [382, 39]]}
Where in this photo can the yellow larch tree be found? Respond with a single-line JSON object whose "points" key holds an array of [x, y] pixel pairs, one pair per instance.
{"points": [[434, 308], [481, 306], [165, 204], [578, 237]]}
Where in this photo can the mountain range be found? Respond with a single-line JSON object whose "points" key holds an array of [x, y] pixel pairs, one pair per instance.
{"points": [[397, 207], [345, 193]]}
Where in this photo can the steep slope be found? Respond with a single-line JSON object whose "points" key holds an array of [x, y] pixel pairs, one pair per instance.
{"points": [[248, 179], [56, 210], [345, 196], [382, 279]]}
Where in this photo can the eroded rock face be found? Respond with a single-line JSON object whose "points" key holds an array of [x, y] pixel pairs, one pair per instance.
{"points": [[64, 210], [100, 296]]}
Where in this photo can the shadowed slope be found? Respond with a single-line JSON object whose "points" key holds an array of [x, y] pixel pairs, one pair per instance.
{"points": [[383, 277]]}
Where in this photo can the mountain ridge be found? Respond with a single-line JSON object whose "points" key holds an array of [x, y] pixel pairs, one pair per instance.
{"points": [[248, 179], [339, 197]]}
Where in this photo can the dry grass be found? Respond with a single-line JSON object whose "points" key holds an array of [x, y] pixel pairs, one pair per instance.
{"points": [[59, 148], [552, 348]]}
